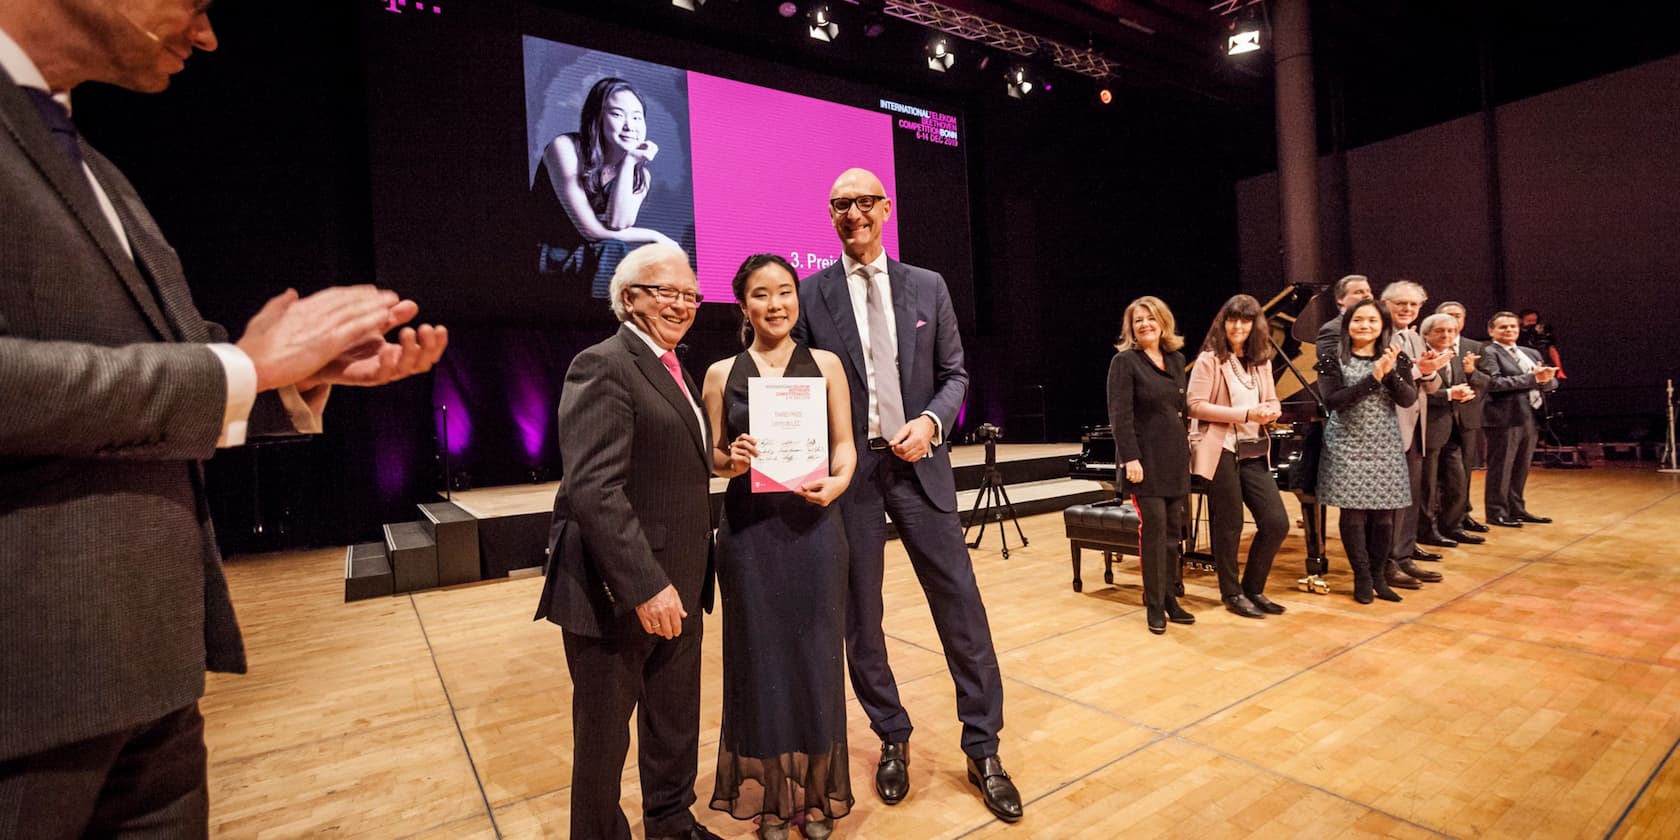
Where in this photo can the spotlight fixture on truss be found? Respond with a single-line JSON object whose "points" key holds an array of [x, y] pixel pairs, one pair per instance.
{"points": [[690, 5], [820, 24], [874, 17], [787, 9], [939, 54], [1244, 31], [1017, 82], [971, 27]]}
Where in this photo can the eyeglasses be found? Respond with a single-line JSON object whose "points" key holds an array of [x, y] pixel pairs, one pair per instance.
{"points": [[666, 294], [865, 203]]}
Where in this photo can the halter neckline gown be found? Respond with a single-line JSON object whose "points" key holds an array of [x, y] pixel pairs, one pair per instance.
{"points": [[782, 576]]}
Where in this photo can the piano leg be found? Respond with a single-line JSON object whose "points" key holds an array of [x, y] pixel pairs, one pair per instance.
{"points": [[1313, 519]]}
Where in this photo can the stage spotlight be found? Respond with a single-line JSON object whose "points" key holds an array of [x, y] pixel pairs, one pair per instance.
{"points": [[691, 5], [1105, 96], [820, 23], [939, 54], [787, 10], [1017, 82], [1243, 33]]}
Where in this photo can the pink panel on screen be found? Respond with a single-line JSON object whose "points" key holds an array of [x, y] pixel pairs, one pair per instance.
{"points": [[764, 161]]}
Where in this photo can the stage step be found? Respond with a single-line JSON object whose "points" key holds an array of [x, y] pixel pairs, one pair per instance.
{"points": [[413, 556], [367, 574], [456, 533]]}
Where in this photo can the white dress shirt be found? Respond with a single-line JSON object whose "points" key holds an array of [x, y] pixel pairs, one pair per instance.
{"points": [[860, 312]]}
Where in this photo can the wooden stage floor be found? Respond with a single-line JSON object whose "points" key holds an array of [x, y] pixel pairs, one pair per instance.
{"points": [[1534, 693]]}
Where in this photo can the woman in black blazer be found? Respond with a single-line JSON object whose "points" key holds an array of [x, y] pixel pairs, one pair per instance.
{"points": [[1146, 408]]}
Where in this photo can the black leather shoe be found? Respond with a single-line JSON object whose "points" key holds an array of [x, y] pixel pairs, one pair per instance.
{"points": [[1467, 538], [1424, 575], [996, 789], [1503, 522], [1437, 540], [1157, 620], [892, 776], [1473, 525], [1240, 605], [1420, 554], [1177, 614], [1266, 605], [1529, 517]]}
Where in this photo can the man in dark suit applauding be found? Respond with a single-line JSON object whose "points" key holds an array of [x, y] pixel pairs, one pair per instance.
{"points": [[1446, 482], [629, 553], [893, 326], [112, 597], [1516, 380]]}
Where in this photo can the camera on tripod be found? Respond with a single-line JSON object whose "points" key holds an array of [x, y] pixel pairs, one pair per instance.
{"points": [[988, 433]]}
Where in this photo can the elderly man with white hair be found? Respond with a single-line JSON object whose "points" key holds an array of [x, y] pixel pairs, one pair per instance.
{"points": [[1404, 300], [629, 562], [1446, 481]]}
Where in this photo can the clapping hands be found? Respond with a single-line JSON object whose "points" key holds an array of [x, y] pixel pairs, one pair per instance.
{"points": [[1385, 363]]}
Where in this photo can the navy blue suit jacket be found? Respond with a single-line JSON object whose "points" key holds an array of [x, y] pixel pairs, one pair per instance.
{"points": [[930, 357]]}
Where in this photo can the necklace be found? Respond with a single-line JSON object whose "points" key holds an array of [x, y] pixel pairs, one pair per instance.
{"points": [[765, 361], [1244, 377]]}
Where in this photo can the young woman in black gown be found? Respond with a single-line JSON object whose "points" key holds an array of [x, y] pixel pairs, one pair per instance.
{"points": [[782, 574]]}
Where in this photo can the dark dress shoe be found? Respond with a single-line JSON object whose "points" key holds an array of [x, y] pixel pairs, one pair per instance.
{"points": [[1157, 620], [995, 787], [1265, 604], [1467, 538], [1538, 520], [1177, 614], [1503, 522], [1240, 605], [1424, 575], [892, 775], [1473, 525], [1420, 554], [1399, 579], [1437, 540]]}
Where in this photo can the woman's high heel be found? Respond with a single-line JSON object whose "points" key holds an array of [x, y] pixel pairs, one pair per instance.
{"points": [[772, 829], [819, 829]]}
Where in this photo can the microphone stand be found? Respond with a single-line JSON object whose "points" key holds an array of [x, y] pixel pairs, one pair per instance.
{"points": [[1671, 461]]}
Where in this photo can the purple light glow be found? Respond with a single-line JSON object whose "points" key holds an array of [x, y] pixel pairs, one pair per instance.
{"points": [[528, 401]]}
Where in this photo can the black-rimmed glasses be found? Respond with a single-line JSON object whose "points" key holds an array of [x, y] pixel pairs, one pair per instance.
{"points": [[666, 294], [865, 203]]}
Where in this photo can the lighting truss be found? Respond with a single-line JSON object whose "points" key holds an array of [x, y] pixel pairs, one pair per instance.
{"points": [[970, 27]]}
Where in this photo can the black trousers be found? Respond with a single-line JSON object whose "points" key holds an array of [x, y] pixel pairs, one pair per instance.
{"points": [[1510, 450], [659, 680], [1160, 537], [1405, 519], [1235, 484], [1446, 477], [147, 781], [933, 538]]}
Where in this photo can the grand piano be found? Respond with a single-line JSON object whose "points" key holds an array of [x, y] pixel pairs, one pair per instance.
{"points": [[1293, 317]]}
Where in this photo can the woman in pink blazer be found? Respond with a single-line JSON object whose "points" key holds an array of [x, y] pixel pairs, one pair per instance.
{"points": [[1231, 399]]}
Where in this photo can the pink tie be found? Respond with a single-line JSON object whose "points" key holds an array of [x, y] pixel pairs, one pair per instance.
{"points": [[670, 360]]}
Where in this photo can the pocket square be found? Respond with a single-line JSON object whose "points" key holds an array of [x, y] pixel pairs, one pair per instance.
{"points": [[920, 324]]}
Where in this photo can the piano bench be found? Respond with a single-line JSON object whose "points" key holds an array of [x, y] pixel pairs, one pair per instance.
{"points": [[1110, 527]]}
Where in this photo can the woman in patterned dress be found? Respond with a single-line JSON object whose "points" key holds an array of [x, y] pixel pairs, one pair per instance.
{"points": [[1363, 470]]}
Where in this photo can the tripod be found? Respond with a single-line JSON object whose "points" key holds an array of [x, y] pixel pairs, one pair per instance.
{"points": [[993, 500]]}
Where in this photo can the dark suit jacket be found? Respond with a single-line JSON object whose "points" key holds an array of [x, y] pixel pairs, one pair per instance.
{"points": [[1469, 415], [1444, 414], [1147, 409], [632, 514], [1508, 386], [112, 598], [930, 356]]}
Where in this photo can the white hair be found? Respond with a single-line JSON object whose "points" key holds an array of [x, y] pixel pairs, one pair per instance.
{"points": [[1395, 289], [635, 267], [1430, 323]]}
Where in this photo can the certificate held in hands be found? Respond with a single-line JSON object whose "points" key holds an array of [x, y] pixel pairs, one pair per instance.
{"points": [[789, 419]]}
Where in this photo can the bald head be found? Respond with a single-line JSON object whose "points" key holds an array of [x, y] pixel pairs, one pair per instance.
{"points": [[859, 230]]}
